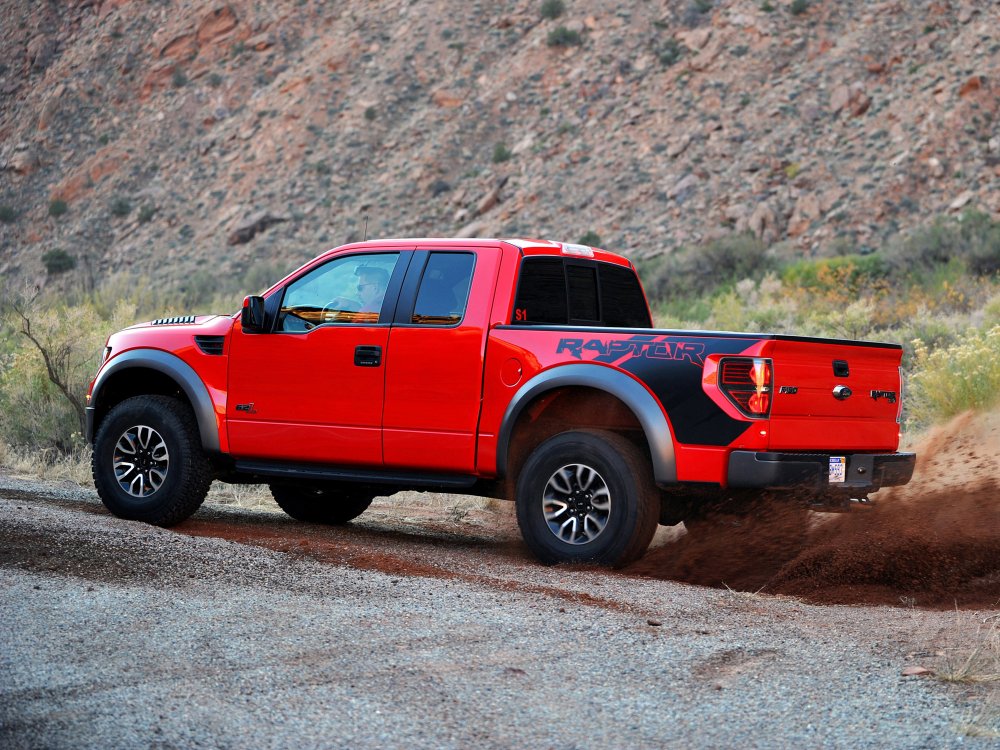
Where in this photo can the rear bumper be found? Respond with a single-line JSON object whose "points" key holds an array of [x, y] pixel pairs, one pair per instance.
{"points": [[865, 472]]}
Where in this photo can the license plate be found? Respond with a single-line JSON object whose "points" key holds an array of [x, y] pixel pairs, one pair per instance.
{"points": [[838, 469]]}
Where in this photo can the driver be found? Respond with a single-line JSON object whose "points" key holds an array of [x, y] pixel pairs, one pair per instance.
{"points": [[372, 282]]}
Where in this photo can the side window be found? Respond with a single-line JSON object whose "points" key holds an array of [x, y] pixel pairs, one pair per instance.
{"points": [[583, 306], [622, 299], [554, 291], [444, 289], [541, 292], [345, 290]]}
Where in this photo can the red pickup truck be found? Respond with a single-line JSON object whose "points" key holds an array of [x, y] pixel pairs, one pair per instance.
{"points": [[521, 369]]}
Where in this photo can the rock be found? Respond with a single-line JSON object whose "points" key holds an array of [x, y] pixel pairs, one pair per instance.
{"points": [[916, 671], [260, 42], [971, 86], [181, 48], [41, 50], [965, 13], [962, 200], [217, 24], [807, 210], [103, 163], [935, 167], [159, 77], [696, 38], [524, 145], [677, 147], [489, 200], [764, 223], [839, 98], [446, 99], [707, 56], [253, 225], [24, 161], [472, 229], [860, 101], [72, 187], [683, 187]]}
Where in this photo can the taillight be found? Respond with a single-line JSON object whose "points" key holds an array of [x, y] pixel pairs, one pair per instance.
{"points": [[746, 381]]}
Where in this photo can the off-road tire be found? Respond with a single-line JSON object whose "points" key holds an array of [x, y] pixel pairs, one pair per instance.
{"points": [[621, 472], [328, 504], [181, 467]]}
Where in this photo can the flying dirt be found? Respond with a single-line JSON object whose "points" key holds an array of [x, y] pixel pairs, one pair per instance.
{"points": [[933, 543]]}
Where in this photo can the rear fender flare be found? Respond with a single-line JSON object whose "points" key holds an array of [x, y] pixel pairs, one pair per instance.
{"points": [[177, 370], [614, 382]]}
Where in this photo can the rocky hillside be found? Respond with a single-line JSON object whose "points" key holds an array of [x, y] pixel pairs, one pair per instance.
{"points": [[169, 139]]}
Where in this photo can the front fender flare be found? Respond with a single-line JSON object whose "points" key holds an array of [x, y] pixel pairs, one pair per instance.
{"points": [[614, 382], [177, 370]]}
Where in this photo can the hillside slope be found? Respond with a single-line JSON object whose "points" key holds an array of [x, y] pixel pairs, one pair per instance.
{"points": [[185, 137]]}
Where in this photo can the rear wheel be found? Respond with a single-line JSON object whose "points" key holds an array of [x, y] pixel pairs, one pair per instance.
{"points": [[587, 496], [329, 504], [148, 464]]}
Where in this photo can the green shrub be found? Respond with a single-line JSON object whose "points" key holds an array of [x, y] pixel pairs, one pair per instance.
{"points": [[798, 7], [146, 213], [851, 273], [121, 207], [953, 379], [973, 241], [591, 238], [501, 153], [8, 214], [563, 37], [694, 271], [57, 208], [671, 52], [552, 9], [58, 261], [178, 79], [371, 113]]}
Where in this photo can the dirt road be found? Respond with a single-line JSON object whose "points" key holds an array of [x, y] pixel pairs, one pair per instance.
{"points": [[421, 626]]}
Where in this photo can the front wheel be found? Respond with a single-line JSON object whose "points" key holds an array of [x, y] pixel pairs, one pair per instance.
{"points": [[587, 496], [329, 504], [148, 464]]}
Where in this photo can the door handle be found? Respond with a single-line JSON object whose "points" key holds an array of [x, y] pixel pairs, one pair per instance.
{"points": [[367, 356]]}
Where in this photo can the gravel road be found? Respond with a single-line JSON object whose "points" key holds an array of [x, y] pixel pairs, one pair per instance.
{"points": [[416, 628]]}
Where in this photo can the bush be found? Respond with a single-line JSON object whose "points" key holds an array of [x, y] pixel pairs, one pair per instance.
{"points": [[57, 208], [953, 379], [690, 272], [501, 153], [972, 241], [591, 238], [8, 214], [671, 52], [370, 114], [146, 213], [121, 207], [798, 7], [552, 9], [563, 37], [58, 261]]}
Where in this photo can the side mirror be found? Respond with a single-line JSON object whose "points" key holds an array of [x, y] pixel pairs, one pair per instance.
{"points": [[252, 316]]}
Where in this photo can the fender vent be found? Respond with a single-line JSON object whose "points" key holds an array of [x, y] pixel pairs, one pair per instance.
{"points": [[210, 344], [173, 321]]}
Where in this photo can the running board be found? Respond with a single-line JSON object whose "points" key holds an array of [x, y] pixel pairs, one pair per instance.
{"points": [[361, 476]]}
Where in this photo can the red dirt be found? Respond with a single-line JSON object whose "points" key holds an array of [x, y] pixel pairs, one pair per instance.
{"points": [[934, 543]]}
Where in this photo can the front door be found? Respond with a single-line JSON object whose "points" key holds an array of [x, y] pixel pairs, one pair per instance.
{"points": [[312, 390], [435, 376]]}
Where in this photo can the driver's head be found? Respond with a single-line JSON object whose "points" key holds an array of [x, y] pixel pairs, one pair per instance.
{"points": [[372, 281]]}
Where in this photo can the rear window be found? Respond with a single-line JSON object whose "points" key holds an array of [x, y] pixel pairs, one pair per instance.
{"points": [[558, 291]]}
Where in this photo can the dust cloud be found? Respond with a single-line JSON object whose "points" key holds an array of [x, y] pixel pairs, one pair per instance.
{"points": [[933, 543]]}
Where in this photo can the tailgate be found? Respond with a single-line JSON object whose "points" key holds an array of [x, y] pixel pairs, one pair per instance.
{"points": [[834, 395]]}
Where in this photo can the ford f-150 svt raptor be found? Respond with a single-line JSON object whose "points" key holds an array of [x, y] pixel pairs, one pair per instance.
{"points": [[514, 368]]}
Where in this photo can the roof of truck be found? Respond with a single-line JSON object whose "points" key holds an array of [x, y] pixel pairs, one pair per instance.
{"points": [[526, 246]]}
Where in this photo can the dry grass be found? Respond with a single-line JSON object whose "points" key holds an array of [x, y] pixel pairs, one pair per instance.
{"points": [[978, 662], [48, 464]]}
